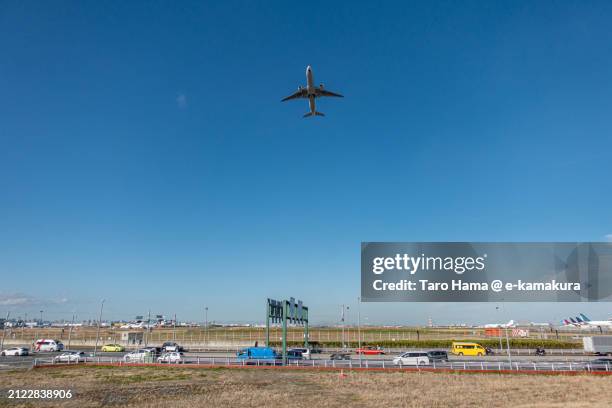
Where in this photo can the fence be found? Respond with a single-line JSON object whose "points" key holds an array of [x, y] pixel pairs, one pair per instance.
{"points": [[518, 366], [350, 334]]}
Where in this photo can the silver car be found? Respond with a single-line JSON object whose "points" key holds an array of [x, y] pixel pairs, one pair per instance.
{"points": [[70, 357]]}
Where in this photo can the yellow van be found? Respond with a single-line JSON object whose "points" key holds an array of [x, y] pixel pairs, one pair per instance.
{"points": [[467, 349]]}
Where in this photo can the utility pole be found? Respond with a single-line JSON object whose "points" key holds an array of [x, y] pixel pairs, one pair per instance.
{"points": [[359, 326], [348, 326], [342, 323], [174, 330], [501, 347], [99, 324], [508, 346], [70, 331], [148, 328], [343, 318], [8, 314], [206, 325]]}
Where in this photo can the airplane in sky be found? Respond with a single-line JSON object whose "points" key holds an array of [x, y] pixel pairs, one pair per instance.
{"points": [[311, 92], [584, 321]]}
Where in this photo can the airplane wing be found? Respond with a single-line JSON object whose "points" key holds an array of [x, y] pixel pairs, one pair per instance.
{"points": [[325, 92], [301, 93]]}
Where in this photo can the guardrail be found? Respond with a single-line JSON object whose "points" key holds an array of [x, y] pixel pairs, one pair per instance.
{"points": [[519, 366]]}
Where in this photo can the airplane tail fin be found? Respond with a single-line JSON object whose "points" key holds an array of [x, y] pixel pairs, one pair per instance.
{"points": [[586, 319], [315, 114]]}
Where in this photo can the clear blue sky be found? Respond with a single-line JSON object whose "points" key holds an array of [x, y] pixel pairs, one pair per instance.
{"points": [[145, 156]]}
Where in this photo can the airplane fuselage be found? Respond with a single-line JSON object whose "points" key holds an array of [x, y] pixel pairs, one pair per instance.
{"points": [[310, 88], [599, 323]]}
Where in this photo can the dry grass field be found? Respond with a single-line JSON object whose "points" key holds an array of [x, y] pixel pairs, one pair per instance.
{"points": [[185, 387]]}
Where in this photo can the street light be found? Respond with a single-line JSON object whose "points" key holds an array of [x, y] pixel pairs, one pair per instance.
{"points": [[4, 326], [206, 325], [70, 331], [343, 317], [359, 326], [99, 324]]}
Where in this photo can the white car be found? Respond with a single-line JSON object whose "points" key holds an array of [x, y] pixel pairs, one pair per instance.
{"points": [[139, 355], [15, 351], [70, 357], [48, 345], [412, 358], [171, 346], [172, 357]]}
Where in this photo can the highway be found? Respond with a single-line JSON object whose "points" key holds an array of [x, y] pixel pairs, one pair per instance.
{"points": [[499, 361]]}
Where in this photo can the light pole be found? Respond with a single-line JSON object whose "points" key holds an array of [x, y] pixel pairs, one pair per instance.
{"points": [[8, 314], [174, 329], [348, 327], [206, 325], [508, 346], [359, 326], [342, 323], [70, 332], [501, 347], [343, 318], [41, 322], [148, 328], [99, 324]]}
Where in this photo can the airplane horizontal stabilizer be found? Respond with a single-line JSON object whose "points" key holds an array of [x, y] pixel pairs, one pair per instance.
{"points": [[316, 114]]}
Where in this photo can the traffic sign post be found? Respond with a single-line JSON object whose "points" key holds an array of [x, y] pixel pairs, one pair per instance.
{"points": [[284, 312]]}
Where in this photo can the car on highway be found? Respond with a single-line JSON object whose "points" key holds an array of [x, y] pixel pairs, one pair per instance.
{"points": [[303, 351], [172, 346], [142, 355], [415, 358], [294, 355], [154, 350], [173, 357], [15, 351], [461, 348], [370, 351], [601, 364], [340, 356], [112, 348], [315, 347], [437, 355], [256, 355], [70, 357], [48, 345]]}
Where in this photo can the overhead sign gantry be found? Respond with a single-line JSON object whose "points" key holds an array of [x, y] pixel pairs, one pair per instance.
{"points": [[286, 311]]}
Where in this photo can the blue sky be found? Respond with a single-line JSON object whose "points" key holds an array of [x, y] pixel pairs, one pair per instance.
{"points": [[145, 156]]}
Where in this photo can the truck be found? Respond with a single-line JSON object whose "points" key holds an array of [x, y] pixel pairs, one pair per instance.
{"points": [[598, 345], [255, 355]]}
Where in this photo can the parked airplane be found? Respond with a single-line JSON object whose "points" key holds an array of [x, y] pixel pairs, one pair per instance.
{"points": [[311, 92], [584, 321], [138, 325], [499, 325]]}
